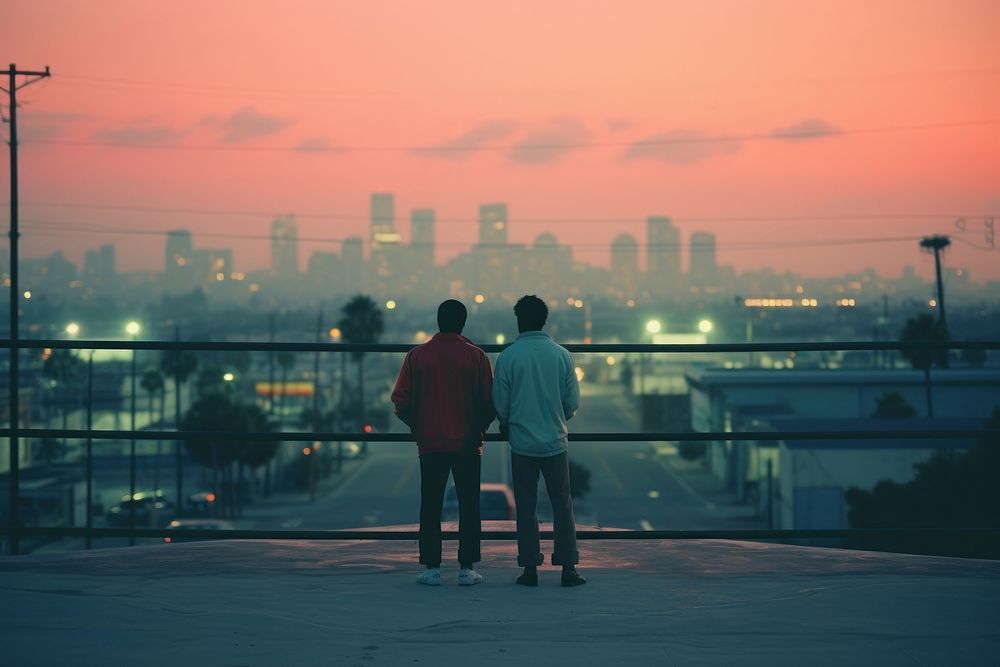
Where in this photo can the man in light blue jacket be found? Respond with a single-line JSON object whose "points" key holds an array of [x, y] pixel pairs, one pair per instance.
{"points": [[535, 391]]}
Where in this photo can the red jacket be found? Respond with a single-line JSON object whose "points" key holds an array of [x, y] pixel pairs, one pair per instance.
{"points": [[444, 394]]}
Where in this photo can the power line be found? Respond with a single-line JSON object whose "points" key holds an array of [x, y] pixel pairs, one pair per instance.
{"points": [[64, 227], [675, 141], [860, 217], [117, 82]]}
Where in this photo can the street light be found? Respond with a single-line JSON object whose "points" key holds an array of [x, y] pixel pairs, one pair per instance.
{"points": [[653, 326], [501, 338], [705, 326], [72, 328], [132, 328], [228, 377], [390, 304]]}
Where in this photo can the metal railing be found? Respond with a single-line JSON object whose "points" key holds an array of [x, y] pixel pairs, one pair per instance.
{"points": [[13, 530]]}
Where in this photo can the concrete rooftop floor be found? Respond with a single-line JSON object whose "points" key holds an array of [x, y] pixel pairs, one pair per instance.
{"points": [[357, 603]]}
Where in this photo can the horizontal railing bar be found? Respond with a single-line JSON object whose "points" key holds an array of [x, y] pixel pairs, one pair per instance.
{"points": [[776, 346], [676, 436], [606, 534]]}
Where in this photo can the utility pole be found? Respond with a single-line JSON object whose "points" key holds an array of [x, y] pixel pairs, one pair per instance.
{"points": [[937, 244], [13, 515]]}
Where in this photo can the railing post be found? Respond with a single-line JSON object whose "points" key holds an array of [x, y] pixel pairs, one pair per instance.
{"points": [[131, 457], [88, 540], [770, 494]]}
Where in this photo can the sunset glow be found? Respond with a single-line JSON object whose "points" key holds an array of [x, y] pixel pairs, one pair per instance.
{"points": [[794, 123]]}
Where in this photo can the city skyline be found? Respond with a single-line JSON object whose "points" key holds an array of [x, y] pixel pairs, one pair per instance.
{"points": [[819, 122]]}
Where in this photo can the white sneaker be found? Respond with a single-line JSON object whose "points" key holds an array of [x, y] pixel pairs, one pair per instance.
{"points": [[469, 577], [431, 577]]}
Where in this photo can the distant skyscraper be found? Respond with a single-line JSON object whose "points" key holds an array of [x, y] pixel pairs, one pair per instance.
{"points": [[625, 264], [179, 247], [493, 224], [99, 266], [663, 254], [422, 237], [284, 248], [179, 262], [383, 219], [352, 263], [703, 269]]}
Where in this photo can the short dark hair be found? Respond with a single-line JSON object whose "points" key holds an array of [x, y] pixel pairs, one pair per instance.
{"points": [[451, 316], [531, 313]]}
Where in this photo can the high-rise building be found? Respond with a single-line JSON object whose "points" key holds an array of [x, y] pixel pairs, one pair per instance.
{"points": [[493, 224], [352, 265], [422, 237], [383, 219], [99, 266], [625, 264], [703, 269], [284, 248], [663, 254], [179, 269]]}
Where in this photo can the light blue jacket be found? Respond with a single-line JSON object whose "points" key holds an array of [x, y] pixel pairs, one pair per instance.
{"points": [[535, 391]]}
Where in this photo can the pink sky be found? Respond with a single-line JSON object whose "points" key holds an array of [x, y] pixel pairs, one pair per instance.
{"points": [[383, 77]]}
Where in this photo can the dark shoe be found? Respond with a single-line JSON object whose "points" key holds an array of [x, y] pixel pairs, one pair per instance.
{"points": [[572, 578], [528, 578]]}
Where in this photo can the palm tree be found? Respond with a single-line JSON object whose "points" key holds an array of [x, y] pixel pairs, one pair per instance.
{"points": [[152, 382], [178, 364], [361, 324], [63, 369], [925, 328]]}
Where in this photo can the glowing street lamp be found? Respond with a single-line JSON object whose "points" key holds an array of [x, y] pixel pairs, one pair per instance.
{"points": [[705, 326], [653, 326], [72, 328], [390, 305], [132, 328], [479, 298], [501, 338], [228, 377]]}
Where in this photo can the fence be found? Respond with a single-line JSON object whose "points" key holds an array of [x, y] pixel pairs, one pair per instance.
{"points": [[13, 530]]}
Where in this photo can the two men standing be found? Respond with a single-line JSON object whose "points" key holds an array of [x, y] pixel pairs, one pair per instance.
{"points": [[447, 395]]}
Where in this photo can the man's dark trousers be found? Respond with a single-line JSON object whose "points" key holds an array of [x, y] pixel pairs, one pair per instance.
{"points": [[464, 468], [555, 470]]}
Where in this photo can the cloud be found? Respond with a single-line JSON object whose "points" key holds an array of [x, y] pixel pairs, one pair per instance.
{"points": [[55, 116], [809, 129], [39, 132], [550, 141], [138, 133], [247, 123], [681, 147], [317, 145], [618, 123], [468, 143]]}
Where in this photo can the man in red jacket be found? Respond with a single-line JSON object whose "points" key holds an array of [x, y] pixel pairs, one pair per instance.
{"points": [[444, 394]]}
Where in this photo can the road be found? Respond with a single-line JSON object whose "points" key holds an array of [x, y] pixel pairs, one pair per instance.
{"points": [[632, 484]]}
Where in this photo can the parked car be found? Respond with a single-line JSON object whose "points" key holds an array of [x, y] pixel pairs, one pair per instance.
{"points": [[496, 502], [148, 506], [201, 504], [195, 524]]}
